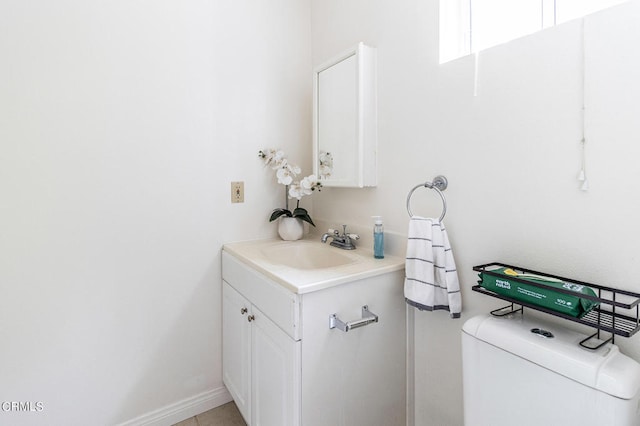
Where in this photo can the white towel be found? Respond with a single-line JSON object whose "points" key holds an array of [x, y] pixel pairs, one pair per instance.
{"points": [[431, 277]]}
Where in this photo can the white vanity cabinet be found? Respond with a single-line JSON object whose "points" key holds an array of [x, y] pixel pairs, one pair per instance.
{"points": [[283, 365], [236, 350], [261, 362]]}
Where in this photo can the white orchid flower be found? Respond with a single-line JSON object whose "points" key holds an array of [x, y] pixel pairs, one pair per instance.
{"points": [[313, 179], [285, 173], [268, 155], [295, 191], [278, 164], [279, 156], [284, 176], [308, 184]]}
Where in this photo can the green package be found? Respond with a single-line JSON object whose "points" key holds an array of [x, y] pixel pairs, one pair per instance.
{"points": [[564, 303]]}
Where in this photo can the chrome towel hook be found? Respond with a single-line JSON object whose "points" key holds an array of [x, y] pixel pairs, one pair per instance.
{"points": [[439, 184]]}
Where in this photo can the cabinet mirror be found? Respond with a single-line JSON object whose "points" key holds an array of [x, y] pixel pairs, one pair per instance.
{"points": [[344, 119]]}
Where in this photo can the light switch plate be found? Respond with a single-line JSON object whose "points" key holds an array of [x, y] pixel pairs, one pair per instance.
{"points": [[237, 192]]}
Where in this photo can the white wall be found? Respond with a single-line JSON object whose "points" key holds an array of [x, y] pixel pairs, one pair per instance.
{"points": [[122, 124], [511, 154]]}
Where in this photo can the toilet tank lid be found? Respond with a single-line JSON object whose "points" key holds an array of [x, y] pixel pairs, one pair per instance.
{"points": [[604, 369]]}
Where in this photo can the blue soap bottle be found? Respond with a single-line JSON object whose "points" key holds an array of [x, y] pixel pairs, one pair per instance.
{"points": [[378, 238]]}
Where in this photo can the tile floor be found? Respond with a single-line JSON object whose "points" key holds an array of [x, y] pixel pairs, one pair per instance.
{"points": [[224, 415]]}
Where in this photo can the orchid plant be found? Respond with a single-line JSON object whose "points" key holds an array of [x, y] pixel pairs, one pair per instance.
{"points": [[286, 173]]}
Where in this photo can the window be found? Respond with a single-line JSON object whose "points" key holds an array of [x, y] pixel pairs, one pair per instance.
{"points": [[468, 26]]}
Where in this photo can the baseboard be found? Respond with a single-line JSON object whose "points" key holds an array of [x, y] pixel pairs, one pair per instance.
{"points": [[181, 410]]}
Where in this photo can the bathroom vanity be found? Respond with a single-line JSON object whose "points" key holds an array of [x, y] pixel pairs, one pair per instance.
{"points": [[287, 360]]}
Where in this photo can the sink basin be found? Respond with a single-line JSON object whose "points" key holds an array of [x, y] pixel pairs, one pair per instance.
{"points": [[305, 266], [303, 255]]}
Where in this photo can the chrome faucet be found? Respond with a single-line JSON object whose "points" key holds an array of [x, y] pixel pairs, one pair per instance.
{"points": [[344, 241]]}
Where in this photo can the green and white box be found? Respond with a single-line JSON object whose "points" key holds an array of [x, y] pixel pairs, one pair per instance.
{"points": [[569, 304]]}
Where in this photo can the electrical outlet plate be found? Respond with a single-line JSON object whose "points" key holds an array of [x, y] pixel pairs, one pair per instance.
{"points": [[237, 192]]}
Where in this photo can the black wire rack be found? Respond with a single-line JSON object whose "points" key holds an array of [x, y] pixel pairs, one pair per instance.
{"points": [[617, 312]]}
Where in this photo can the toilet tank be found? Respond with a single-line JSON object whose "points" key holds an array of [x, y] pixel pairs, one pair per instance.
{"points": [[512, 375]]}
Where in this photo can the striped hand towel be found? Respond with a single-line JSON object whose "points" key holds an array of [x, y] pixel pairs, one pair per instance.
{"points": [[431, 278]]}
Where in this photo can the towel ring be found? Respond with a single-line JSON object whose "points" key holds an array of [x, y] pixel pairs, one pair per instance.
{"points": [[439, 184]]}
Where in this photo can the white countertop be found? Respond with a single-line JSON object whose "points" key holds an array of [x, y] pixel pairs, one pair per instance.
{"points": [[302, 281]]}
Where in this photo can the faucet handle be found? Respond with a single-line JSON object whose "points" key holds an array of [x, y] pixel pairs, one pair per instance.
{"points": [[354, 236]]}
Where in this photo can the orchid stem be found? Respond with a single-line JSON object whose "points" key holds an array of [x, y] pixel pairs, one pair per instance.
{"points": [[286, 197]]}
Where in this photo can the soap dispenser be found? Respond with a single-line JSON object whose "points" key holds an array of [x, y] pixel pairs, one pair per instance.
{"points": [[378, 238]]}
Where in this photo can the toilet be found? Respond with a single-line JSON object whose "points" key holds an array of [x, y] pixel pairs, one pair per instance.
{"points": [[519, 370]]}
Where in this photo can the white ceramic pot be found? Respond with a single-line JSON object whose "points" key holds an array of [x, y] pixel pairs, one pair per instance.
{"points": [[290, 228]]}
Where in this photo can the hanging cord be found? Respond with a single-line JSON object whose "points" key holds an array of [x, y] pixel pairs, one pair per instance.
{"points": [[582, 176]]}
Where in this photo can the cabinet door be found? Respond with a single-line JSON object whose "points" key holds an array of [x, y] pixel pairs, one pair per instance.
{"points": [[275, 374], [356, 378], [344, 119], [236, 348]]}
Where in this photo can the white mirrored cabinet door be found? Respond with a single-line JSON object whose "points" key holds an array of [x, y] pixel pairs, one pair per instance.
{"points": [[345, 119]]}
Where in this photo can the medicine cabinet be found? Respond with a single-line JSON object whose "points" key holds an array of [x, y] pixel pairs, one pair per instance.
{"points": [[344, 119]]}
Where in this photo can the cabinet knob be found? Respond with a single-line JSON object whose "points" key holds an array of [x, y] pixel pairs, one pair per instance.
{"points": [[243, 311], [251, 318]]}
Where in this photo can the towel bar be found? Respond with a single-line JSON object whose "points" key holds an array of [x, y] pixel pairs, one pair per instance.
{"points": [[439, 184], [368, 317]]}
